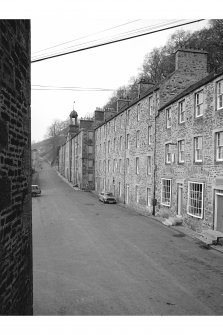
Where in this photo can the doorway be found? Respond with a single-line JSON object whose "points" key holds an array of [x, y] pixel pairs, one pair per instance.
{"points": [[219, 212]]}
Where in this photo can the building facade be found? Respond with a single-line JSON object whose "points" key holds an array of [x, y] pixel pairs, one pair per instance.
{"points": [[189, 154], [125, 144], [76, 156], [16, 279]]}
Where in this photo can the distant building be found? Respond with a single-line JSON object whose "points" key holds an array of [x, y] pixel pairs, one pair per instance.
{"points": [[76, 156]]}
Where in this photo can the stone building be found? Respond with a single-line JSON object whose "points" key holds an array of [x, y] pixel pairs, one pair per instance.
{"points": [[189, 154], [125, 143], [15, 169], [76, 156]]}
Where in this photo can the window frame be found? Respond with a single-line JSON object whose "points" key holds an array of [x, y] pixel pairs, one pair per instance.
{"points": [[219, 95], [182, 110], [168, 117], [196, 142], [167, 153], [218, 148], [179, 144], [149, 165], [150, 105], [138, 112], [149, 135], [167, 204], [137, 165], [188, 200], [137, 138], [197, 94]]}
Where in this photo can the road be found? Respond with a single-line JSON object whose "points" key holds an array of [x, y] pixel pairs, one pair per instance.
{"points": [[96, 259]]}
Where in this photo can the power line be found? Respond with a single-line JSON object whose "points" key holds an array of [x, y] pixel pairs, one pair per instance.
{"points": [[79, 38], [111, 38], [69, 88], [115, 41]]}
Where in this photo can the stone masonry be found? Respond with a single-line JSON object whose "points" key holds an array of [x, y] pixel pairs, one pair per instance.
{"points": [[15, 169]]}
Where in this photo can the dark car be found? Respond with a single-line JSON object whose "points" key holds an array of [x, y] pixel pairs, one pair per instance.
{"points": [[35, 190], [107, 197]]}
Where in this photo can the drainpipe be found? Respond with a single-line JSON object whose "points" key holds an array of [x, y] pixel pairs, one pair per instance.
{"points": [[155, 168]]}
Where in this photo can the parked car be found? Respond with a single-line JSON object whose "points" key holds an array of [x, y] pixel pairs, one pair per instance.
{"points": [[35, 190], [107, 197]]}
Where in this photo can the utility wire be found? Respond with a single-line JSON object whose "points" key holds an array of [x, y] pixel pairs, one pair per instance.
{"points": [[111, 42], [79, 38], [110, 38], [69, 88]]}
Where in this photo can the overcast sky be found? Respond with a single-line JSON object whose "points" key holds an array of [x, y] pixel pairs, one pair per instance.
{"points": [[108, 67]]}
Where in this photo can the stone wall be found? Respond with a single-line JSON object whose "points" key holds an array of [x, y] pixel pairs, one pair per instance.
{"points": [[208, 171], [15, 169]]}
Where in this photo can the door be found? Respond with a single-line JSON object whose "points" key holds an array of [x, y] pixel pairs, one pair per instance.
{"points": [[179, 199], [219, 212]]}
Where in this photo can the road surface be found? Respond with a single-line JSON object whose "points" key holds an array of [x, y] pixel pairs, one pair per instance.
{"points": [[96, 259]]}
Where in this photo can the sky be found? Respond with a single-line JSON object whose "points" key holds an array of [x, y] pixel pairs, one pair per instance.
{"points": [[107, 67]]}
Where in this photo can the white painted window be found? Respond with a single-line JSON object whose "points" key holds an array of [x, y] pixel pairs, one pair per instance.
{"points": [[168, 117], [137, 165], [127, 141], [120, 165], [181, 147], [199, 104], [150, 105], [127, 165], [167, 153], [220, 94], [219, 146], [137, 139], [148, 196], [128, 116], [138, 112], [119, 189], [137, 194], [195, 199], [165, 192], [182, 111], [198, 149], [149, 135], [149, 165]]}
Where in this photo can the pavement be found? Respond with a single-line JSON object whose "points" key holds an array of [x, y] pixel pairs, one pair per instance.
{"points": [[206, 237]]}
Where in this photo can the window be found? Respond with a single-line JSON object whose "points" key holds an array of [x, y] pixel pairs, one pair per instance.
{"points": [[195, 199], [199, 104], [120, 166], [90, 176], [104, 147], [137, 194], [127, 141], [120, 142], [219, 146], [108, 147], [90, 149], [90, 135], [137, 139], [128, 116], [181, 151], [167, 153], [220, 94], [137, 165], [148, 196], [127, 165], [149, 135], [104, 166], [114, 144], [138, 112], [150, 105], [90, 163], [168, 117], [119, 189], [109, 165], [149, 165], [165, 192], [182, 111], [198, 146]]}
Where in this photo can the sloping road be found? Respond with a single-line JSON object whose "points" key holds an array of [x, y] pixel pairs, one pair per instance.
{"points": [[96, 259]]}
